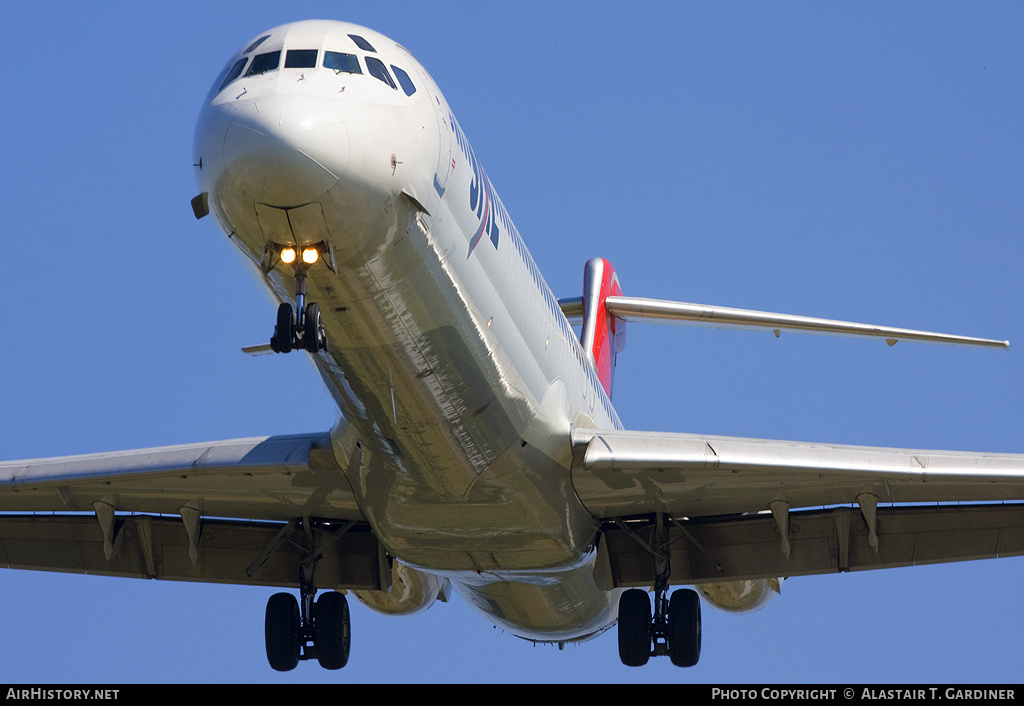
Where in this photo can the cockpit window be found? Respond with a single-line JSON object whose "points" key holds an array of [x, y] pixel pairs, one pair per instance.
{"points": [[403, 78], [255, 44], [264, 63], [342, 63], [362, 43], [378, 70], [300, 59], [231, 75]]}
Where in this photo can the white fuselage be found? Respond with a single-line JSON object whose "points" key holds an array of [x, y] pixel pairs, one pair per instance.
{"points": [[448, 355]]}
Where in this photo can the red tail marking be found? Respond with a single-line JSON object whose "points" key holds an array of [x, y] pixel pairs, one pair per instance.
{"points": [[604, 335]]}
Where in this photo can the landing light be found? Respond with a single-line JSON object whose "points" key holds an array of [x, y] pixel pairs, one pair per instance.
{"points": [[309, 255], [288, 256]]}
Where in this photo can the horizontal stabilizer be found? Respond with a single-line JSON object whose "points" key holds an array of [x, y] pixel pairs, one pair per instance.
{"points": [[639, 309]]}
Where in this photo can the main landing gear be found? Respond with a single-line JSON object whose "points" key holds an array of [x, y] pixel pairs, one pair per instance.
{"points": [[674, 629], [307, 629]]}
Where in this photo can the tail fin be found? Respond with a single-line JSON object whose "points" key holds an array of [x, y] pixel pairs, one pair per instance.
{"points": [[604, 334]]}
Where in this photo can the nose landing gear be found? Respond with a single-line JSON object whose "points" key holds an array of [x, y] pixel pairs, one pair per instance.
{"points": [[304, 328], [310, 627]]}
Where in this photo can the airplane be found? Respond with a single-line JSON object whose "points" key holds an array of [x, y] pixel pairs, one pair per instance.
{"points": [[478, 449]]}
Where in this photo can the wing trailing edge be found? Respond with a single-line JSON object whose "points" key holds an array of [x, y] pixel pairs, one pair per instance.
{"points": [[826, 541], [153, 547]]}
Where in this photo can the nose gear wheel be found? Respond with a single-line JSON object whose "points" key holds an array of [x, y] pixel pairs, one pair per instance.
{"points": [[314, 336], [308, 332], [284, 333]]}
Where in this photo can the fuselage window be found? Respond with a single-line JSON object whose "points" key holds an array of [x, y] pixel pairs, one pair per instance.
{"points": [[403, 79], [362, 43], [264, 63], [342, 63], [255, 44], [378, 70], [300, 58], [231, 75]]}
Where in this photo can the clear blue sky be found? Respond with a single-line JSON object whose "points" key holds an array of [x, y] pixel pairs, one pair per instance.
{"points": [[857, 162]]}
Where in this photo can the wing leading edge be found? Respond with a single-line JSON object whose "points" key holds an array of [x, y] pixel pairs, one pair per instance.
{"points": [[238, 511]]}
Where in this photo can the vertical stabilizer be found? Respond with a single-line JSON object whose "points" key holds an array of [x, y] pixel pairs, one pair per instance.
{"points": [[604, 334]]}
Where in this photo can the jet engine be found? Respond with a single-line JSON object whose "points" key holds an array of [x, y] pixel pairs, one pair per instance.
{"points": [[411, 592], [739, 596]]}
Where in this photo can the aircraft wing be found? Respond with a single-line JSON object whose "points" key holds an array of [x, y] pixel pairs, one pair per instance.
{"points": [[220, 512], [753, 508]]}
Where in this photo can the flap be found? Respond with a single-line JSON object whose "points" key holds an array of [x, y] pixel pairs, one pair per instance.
{"points": [[827, 541]]}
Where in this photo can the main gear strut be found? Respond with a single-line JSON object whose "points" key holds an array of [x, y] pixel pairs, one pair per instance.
{"points": [[311, 627], [675, 627]]}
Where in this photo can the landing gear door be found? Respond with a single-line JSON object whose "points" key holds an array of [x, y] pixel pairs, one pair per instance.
{"points": [[302, 225]]}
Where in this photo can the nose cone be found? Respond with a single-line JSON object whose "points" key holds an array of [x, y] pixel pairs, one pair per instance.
{"points": [[284, 150]]}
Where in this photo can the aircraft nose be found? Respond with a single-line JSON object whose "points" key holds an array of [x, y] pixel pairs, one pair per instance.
{"points": [[285, 150]]}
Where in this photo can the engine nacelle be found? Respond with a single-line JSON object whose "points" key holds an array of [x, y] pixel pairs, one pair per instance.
{"points": [[411, 592], [739, 596]]}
